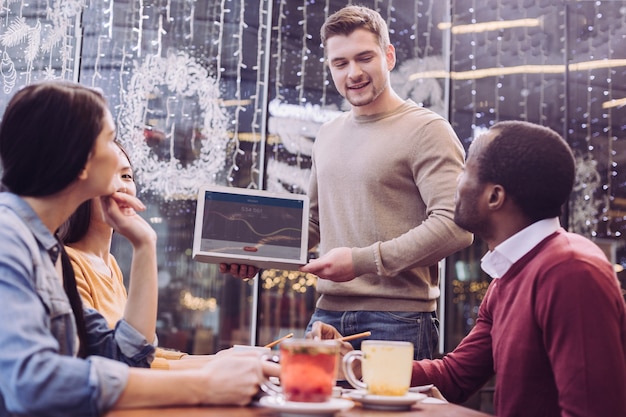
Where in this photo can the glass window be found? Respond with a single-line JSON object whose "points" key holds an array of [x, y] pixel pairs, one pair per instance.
{"points": [[232, 92]]}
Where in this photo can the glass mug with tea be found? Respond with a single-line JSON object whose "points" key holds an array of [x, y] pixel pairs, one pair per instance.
{"points": [[386, 367], [308, 370]]}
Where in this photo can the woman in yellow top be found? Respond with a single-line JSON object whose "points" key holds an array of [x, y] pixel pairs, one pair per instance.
{"points": [[87, 238]]}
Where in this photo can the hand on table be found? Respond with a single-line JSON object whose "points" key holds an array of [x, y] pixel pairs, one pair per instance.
{"points": [[234, 377]]}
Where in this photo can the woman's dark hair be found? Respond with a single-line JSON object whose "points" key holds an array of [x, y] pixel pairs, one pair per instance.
{"points": [[47, 133], [46, 136], [76, 226], [533, 163], [71, 289]]}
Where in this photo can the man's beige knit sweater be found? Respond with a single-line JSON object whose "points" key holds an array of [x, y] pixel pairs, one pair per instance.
{"points": [[384, 186]]}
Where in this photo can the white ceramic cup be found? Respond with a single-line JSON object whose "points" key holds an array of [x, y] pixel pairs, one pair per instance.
{"points": [[386, 367]]}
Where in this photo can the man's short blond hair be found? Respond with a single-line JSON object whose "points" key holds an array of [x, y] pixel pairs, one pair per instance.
{"points": [[350, 18]]}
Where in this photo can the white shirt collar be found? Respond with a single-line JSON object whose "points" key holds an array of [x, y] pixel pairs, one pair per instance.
{"points": [[497, 262]]}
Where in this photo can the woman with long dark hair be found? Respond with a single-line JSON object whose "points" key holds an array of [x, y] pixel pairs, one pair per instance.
{"points": [[57, 359]]}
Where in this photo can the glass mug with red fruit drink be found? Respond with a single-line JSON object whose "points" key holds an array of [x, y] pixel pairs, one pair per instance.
{"points": [[308, 370]]}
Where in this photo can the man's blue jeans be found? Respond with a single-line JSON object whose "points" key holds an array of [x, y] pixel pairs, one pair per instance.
{"points": [[421, 329]]}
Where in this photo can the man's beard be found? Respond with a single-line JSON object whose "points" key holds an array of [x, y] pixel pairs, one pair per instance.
{"points": [[364, 100]]}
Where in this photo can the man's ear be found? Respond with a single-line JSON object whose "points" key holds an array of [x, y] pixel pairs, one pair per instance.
{"points": [[497, 197], [390, 56]]}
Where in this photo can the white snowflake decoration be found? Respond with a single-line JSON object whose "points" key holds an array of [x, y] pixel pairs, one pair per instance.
{"points": [[33, 37], [177, 77]]}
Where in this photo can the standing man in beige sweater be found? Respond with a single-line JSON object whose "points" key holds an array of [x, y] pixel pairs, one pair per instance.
{"points": [[382, 195]]}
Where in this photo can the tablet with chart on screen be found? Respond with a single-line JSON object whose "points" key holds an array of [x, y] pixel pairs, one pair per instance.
{"points": [[251, 227]]}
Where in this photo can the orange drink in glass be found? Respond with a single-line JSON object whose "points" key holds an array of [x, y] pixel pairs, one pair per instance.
{"points": [[308, 369]]}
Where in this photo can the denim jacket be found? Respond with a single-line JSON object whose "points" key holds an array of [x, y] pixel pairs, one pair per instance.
{"points": [[39, 372]]}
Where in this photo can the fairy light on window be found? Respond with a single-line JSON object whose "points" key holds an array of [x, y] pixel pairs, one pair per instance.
{"points": [[138, 30], [521, 51], [189, 36], [107, 23], [452, 66], [389, 19], [543, 118], [608, 131], [495, 110], [278, 59], [96, 66], [260, 94], [585, 206], [219, 41], [238, 107], [107, 12], [588, 127], [429, 27], [415, 28], [325, 81], [304, 51], [611, 85], [473, 67]]}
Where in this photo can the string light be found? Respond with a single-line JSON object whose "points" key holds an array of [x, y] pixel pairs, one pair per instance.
{"points": [[139, 29], [219, 41], [473, 91], [96, 67], [325, 81], [260, 129], [610, 138], [278, 57], [389, 20], [415, 36], [429, 14], [587, 122], [304, 52], [525, 92], [108, 12], [238, 109], [498, 98], [543, 118]]}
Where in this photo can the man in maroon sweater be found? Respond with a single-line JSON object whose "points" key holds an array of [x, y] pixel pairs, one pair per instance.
{"points": [[552, 326]]}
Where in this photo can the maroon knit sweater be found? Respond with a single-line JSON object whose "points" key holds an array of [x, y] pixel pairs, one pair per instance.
{"points": [[552, 330]]}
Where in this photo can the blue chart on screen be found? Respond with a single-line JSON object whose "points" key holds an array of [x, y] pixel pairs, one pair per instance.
{"points": [[253, 227]]}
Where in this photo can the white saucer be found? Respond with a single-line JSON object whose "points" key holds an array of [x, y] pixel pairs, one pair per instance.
{"points": [[290, 408], [385, 402]]}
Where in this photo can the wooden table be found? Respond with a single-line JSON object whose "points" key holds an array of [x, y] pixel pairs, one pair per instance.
{"points": [[418, 410]]}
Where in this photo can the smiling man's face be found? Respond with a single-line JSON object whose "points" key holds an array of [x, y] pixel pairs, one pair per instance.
{"points": [[360, 68]]}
